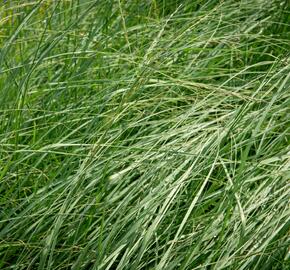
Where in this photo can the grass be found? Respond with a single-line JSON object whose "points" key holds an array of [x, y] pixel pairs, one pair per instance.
{"points": [[144, 134]]}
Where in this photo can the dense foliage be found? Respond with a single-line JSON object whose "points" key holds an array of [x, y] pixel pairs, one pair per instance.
{"points": [[144, 134]]}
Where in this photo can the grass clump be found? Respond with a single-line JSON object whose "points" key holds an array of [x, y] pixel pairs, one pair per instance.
{"points": [[144, 134]]}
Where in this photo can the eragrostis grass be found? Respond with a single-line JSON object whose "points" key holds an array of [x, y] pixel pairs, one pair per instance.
{"points": [[144, 134]]}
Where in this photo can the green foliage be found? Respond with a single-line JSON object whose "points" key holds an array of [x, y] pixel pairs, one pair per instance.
{"points": [[144, 134]]}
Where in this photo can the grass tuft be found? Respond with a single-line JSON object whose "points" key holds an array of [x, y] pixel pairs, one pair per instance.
{"points": [[144, 134]]}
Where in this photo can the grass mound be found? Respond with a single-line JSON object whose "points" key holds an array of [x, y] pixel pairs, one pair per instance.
{"points": [[144, 134]]}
